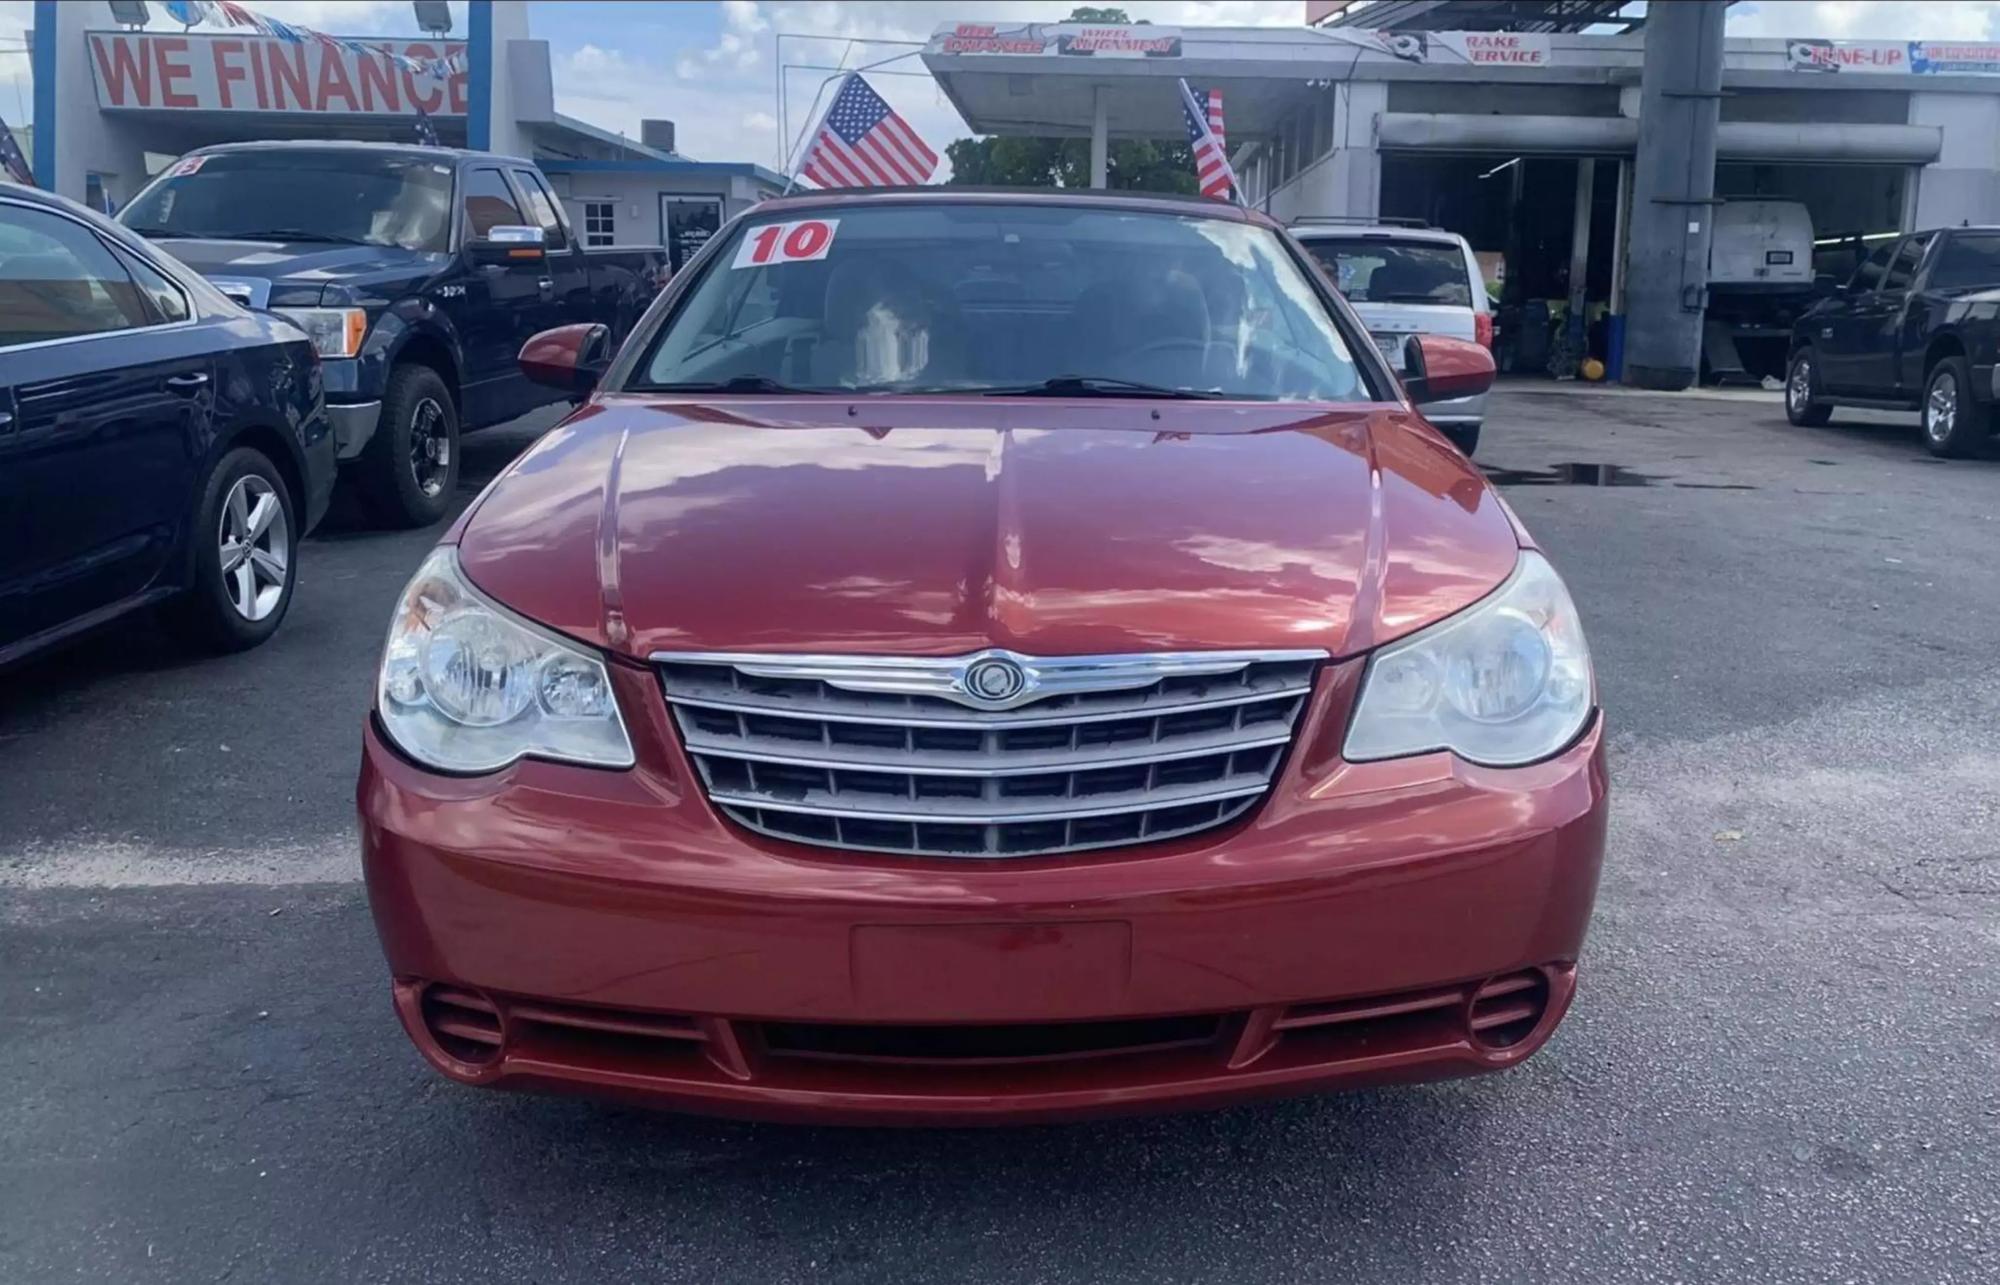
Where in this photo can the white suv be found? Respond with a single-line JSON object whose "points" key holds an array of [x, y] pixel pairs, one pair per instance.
{"points": [[1406, 279]]}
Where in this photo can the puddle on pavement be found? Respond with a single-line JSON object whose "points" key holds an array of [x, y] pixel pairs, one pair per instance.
{"points": [[1570, 475], [1576, 473]]}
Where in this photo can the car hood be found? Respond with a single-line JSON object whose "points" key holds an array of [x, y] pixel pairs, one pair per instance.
{"points": [[939, 526], [298, 262]]}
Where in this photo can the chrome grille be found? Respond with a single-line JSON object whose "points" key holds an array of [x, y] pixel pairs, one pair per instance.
{"points": [[1127, 749]]}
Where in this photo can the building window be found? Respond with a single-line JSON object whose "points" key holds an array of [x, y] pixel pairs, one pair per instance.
{"points": [[600, 220]]}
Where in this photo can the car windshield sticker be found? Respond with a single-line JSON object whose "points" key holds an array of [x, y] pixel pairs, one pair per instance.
{"points": [[188, 166], [799, 242]]}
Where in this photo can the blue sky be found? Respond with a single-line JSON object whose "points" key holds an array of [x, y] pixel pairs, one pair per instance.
{"points": [[711, 65]]}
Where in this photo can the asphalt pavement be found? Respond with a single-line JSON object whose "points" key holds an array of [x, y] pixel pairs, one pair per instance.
{"points": [[1783, 1063]]}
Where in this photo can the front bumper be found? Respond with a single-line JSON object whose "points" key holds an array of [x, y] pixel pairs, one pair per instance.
{"points": [[557, 927], [1459, 410], [322, 468], [353, 424]]}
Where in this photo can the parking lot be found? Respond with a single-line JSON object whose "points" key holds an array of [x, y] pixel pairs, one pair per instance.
{"points": [[1783, 1063]]}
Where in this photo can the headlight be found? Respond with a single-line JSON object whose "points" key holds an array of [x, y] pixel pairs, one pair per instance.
{"points": [[468, 686], [336, 332], [1504, 682]]}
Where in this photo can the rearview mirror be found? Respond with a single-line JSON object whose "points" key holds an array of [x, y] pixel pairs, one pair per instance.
{"points": [[1438, 369], [572, 358], [506, 243]]}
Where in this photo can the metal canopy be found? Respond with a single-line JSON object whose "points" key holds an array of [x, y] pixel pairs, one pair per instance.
{"points": [[1043, 105], [1485, 15]]}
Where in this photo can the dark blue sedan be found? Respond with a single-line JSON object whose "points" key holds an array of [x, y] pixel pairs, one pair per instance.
{"points": [[159, 444]]}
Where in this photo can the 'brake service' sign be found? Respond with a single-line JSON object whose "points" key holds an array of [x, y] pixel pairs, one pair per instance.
{"points": [[144, 71]]}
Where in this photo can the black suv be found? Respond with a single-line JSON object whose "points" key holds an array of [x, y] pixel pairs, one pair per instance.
{"points": [[418, 271], [1915, 328]]}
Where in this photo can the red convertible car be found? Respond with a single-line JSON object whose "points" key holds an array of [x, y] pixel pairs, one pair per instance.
{"points": [[984, 657]]}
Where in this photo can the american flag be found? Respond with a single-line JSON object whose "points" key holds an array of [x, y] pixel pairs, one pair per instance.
{"points": [[13, 164], [1203, 114], [862, 143]]}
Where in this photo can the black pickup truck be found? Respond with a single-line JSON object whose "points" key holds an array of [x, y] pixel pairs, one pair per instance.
{"points": [[1915, 328], [418, 272]]}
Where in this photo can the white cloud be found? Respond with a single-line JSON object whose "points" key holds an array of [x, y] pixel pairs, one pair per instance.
{"points": [[744, 15], [1868, 20]]}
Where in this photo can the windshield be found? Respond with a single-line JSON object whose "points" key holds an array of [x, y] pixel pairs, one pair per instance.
{"points": [[1006, 298], [1379, 270], [1968, 261], [300, 195]]}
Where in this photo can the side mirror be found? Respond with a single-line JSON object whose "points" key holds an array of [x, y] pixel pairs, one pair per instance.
{"points": [[572, 358], [1438, 369], [506, 243], [1825, 286]]}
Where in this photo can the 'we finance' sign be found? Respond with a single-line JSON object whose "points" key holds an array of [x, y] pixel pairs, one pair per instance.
{"points": [[144, 71]]}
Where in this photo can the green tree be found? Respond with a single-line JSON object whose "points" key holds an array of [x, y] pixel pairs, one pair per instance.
{"points": [[1149, 165]]}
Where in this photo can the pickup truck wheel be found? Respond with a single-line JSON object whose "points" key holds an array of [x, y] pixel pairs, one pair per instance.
{"points": [[409, 470], [1802, 404], [1954, 424], [244, 556]]}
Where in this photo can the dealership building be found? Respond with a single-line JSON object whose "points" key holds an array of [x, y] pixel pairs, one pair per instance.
{"points": [[1521, 132], [114, 102]]}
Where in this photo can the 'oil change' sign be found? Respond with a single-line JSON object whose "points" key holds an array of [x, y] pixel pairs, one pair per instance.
{"points": [[142, 71]]}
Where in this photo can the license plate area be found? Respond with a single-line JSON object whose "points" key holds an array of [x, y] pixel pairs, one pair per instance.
{"points": [[1391, 348], [993, 972]]}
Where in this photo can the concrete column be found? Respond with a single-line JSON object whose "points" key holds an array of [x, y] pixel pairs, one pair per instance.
{"points": [[493, 96], [1100, 139], [1579, 235], [1619, 228], [1666, 281]]}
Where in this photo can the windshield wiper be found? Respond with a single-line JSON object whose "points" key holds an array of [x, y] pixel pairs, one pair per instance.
{"points": [[734, 384], [1100, 386], [276, 234]]}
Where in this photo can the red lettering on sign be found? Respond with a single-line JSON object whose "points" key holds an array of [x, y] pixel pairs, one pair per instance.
{"points": [[431, 98], [288, 70], [225, 71], [456, 85], [123, 71], [171, 53], [378, 76], [333, 80], [776, 243], [257, 78], [807, 240]]}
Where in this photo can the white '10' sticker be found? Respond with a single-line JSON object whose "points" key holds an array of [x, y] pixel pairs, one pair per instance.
{"points": [[799, 242]]}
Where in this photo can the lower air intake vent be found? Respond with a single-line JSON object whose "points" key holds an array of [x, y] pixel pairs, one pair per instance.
{"points": [[987, 1044], [465, 1025], [1507, 1009]]}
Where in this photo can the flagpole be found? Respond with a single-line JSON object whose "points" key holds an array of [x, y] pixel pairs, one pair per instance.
{"points": [[1200, 113], [798, 146], [798, 154]]}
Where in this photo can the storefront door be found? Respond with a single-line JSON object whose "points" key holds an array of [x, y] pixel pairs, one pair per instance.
{"points": [[686, 224]]}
